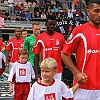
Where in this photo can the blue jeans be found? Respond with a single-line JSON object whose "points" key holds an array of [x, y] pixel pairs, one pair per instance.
{"points": [[11, 9]]}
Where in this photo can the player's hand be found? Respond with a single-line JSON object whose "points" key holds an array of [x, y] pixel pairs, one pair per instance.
{"points": [[37, 77], [7, 63], [11, 89], [81, 78], [3, 49]]}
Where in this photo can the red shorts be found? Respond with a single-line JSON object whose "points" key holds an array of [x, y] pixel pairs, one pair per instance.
{"points": [[21, 91], [0, 71]]}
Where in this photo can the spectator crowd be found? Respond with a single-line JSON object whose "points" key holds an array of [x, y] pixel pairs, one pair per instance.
{"points": [[71, 9]]}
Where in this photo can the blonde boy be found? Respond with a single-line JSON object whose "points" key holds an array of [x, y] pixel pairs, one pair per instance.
{"points": [[49, 88]]}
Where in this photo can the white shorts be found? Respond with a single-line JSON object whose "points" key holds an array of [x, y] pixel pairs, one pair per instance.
{"points": [[83, 94], [58, 76], [10, 66]]}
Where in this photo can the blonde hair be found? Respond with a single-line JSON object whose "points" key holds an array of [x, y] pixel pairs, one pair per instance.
{"points": [[49, 63], [35, 23], [23, 51]]}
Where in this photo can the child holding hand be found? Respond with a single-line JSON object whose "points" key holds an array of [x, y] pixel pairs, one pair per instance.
{"points": [[49, 88]]}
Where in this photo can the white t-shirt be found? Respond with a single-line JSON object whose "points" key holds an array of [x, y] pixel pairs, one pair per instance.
{"points": [[24, 72], [55, 91], [2, 57], [10, 1]]}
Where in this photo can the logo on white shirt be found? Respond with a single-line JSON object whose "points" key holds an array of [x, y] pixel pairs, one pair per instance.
{"points": [[50, 96], [22, 72]]}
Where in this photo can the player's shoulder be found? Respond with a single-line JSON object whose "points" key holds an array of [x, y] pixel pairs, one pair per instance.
{"points": [[27, 38], [42, 35], [12, 39], [82, 28], [59, 35]]}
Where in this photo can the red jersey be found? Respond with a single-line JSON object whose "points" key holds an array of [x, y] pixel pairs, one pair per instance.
{"points": [[85, 42], [50, 46], [1, 45], [14, 46]]}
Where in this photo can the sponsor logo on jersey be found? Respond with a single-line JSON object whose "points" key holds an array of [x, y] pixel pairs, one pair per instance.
{"points": [[98, 34], [93, 51]]}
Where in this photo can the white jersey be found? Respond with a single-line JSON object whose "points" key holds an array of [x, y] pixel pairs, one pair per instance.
{"points": [[23, 72], [55, 91], [2, 57], [10, 1]]}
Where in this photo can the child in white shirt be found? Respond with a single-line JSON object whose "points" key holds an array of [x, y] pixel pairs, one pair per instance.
{"points": [[23, 72], [49, 88]]}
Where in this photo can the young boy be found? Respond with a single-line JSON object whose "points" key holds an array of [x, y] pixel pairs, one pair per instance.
{"points": [[23, 72], [49, 88], [2, 58]]}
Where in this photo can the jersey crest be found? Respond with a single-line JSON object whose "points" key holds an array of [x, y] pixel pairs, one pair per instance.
{"points": [[57, 42]]}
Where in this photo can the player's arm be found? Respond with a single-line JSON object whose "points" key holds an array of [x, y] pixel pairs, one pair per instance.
{"points": [[7, 57], [10, 87], [70, 65], [36, 51], [8, 50], [36, 62]]}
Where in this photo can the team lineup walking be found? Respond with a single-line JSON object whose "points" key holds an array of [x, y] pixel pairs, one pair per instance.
{"points": [[36, 62]]}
